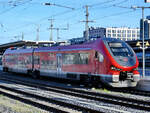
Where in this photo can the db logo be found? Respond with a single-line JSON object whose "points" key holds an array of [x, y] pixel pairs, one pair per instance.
{"points": [[125, 59]]}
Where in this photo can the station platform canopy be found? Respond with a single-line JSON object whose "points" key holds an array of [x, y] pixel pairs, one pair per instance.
{"points": [[21, 43]]}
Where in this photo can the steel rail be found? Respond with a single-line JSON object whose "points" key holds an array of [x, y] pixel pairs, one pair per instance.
{"points": [[124, 101], [131, 91], [50, 100], [30, 102]]}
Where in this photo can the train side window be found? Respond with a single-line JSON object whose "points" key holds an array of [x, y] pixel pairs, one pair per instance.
{"points": [[75, 58], [101, 57], [84, 58]]}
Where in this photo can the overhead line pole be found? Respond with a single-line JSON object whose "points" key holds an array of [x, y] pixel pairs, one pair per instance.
{"points": [[37, 36], [58, 32], [22, 37], [143, 40], [51, 29], [86, 24]]}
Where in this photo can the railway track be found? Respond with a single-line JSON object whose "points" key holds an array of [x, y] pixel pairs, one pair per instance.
{"points": [[131, 91], [19, 95], [99, 97]]}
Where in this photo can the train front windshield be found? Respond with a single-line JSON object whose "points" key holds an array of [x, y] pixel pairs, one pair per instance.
{"points": [[120, 49]]}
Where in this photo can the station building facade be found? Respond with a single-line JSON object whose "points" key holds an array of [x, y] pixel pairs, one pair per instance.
{"points": [[123, 33], [146, 28]]}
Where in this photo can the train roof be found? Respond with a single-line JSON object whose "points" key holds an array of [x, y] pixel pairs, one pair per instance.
{"points": [[15, 51], [112, 40], [85, 46]]}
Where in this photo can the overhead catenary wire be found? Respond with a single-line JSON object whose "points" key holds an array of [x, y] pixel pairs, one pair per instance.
{"points": [[45, 18], [13, 5], [101, 3], [58, 14], [106, 2], [109, 5], [40, 20], [67, 12], [115, 14]]}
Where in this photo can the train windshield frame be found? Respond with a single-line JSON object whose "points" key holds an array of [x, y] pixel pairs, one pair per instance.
{"points": [[120, 49]]}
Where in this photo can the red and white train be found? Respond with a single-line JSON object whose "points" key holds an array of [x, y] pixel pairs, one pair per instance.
{"points": [[106, 60]]}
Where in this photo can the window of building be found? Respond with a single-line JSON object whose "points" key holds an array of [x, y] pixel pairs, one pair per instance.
{"points": [[129, 35], [114, 35], [133, 31], [118, 35], [123, 31], [133, 35], [129, 31], [109, 31], [109, 35], [113, 31], [123, 35], [119, 31]]}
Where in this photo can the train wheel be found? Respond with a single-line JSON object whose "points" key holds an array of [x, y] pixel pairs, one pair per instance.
{"points": [[29, 73], [5, 69], [36, 74]]}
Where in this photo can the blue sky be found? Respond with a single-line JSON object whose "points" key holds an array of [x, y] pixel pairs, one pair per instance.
{"points": [[24, 16]]}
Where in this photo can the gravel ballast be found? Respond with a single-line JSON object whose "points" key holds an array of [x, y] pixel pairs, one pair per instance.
{"points": [[85, 102], [8, 105]]}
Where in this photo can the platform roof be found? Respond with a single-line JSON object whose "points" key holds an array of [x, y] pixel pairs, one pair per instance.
{"points": [[20, 43]]}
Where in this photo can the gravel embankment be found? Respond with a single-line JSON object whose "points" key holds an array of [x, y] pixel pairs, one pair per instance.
{"points": [[85, 102], [8, 105], [101, 106]]}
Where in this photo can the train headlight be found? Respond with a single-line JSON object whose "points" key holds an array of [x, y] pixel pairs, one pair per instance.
{"points": [[115, 69]]}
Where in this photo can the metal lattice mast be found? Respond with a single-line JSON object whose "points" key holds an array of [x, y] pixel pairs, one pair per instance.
{"points": [[86, 23], [37, 35], [51, 29]]}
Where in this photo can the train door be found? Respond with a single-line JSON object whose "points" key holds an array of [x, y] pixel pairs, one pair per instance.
{"points": [[96, 63], [59, 64], [99, 58]]}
